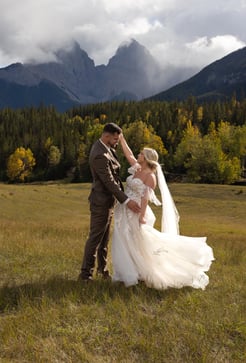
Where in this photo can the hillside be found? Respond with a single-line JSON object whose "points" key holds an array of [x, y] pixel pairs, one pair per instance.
{"points": [[218, 81]]}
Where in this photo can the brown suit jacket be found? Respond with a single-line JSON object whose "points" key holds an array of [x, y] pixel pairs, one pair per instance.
{"points": [[106, 184]]}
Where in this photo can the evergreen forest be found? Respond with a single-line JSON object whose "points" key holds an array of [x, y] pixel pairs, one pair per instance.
{"points": [[196, 142]]}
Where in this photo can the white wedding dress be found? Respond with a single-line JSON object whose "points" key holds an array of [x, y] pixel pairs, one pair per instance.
{"points": [[142, 253]]}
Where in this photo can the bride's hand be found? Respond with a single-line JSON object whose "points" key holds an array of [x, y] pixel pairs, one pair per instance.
{"points": [[142, 220]]}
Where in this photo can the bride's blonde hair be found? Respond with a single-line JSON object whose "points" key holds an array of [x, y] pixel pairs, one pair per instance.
{"points": [[151, 157]]}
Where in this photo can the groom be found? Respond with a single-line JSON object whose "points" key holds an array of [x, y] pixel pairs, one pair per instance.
{"points": [[106, 188]]}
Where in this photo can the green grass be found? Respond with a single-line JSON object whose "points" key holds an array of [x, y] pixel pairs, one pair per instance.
{"points": [[47, 316]]}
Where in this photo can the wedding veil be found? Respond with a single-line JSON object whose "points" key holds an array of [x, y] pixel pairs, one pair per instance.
{"points": [[170, 215]]}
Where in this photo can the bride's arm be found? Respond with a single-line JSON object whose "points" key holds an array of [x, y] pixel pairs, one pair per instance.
{"points": [[144, 203], [127, 151], [150, 183]]}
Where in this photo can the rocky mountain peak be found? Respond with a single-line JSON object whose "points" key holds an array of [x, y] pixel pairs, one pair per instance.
{"points": [[132, 53], [74, 57]]}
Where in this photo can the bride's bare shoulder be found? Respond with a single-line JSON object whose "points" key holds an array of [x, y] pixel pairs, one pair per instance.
{"points": [[150, 180]]}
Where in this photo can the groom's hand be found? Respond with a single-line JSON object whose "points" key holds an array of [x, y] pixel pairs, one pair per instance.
{"points": [[133, 206]]}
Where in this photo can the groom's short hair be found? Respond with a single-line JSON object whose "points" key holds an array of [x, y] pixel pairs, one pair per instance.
{"points": [[112, 128]]}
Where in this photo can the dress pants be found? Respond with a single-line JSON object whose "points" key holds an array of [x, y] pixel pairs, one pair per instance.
{"points": [[97, 242]]}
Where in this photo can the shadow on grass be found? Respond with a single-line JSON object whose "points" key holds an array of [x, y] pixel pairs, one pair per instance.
{"points": [[58, 289]]}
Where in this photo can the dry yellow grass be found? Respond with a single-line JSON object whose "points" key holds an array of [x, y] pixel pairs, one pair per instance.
{"points": [[46, 316]]}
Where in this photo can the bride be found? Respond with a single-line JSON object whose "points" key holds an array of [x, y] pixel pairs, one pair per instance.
{"points": [[142, 253]]}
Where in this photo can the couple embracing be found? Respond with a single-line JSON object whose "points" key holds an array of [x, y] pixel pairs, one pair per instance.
{"points": [[161, 259]]}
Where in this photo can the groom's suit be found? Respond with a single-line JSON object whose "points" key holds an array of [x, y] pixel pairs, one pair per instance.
{"points": [[106, 188]]}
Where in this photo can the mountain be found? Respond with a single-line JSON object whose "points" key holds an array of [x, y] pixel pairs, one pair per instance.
{"points": [[218, 81], [131, 74], [16, 95], [74, 79], [131, 70]]}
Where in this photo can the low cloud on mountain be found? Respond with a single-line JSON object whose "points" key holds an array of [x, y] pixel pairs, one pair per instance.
{"points": [[178, 34]]}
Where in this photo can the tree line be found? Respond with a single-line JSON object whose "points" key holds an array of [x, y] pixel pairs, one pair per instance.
{"points": [[196, 142]]}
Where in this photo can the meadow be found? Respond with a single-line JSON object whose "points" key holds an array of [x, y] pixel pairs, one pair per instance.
{"points": [[47, 316]]}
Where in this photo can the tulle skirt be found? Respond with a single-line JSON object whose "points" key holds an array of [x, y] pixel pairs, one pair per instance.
{"points": [[142, 253]]}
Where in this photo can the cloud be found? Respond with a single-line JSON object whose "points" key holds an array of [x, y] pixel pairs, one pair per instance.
{"points": [[139, 26], [211, 48], [192, 33]]}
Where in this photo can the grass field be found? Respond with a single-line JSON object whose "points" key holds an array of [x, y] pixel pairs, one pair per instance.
{"points": [[47, 316]]}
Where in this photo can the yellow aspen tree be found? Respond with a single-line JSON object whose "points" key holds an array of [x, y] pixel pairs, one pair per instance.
{"points": [[20, 164], [199, 113]]}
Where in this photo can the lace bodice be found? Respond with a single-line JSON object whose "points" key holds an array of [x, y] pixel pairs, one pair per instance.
{"points": [[136, 189]]}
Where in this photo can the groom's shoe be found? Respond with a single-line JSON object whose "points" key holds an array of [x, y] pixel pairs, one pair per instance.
{"points": [[104, 275], [84, 279]]}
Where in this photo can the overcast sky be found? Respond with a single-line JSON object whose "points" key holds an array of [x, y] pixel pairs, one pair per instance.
{"points": [[190, 33]]}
